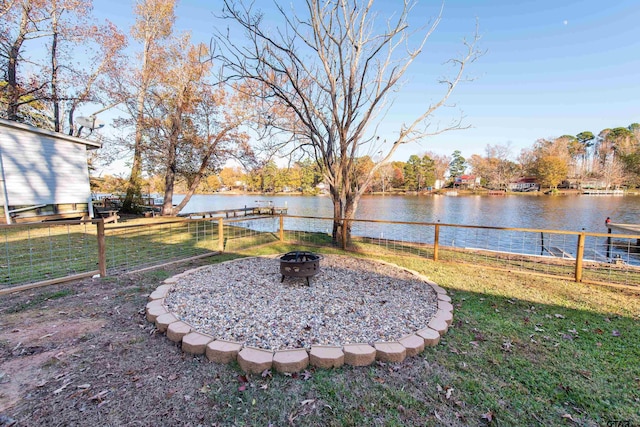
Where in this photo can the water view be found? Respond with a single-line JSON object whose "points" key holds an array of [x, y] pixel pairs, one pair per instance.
{"points": [[573, 213]]}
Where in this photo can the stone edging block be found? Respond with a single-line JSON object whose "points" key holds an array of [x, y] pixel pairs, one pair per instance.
{"points": [[288, 361], [430, 336], [164, 320], [154, 311], [256, 360], [359, 354], [391, 352], [195, 342], [177, 330], [221, 351], [326, 357], [413, 344]]}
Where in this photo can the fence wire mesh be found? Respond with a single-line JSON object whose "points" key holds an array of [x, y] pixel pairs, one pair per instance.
{"points": [[140, 246], [40, 252], [549, 252], [50, 251]]}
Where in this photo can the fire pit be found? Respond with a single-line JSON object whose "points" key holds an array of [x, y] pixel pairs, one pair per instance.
{"points": [[299, 264]]}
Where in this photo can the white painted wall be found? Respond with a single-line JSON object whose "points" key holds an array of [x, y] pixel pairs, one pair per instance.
{"points": [[43, 167]]}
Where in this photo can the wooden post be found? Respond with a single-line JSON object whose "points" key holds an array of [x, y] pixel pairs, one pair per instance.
{"points": [[579, 256], [221, 235], [436, 239], [344, 234], [281, 233], [102, 249]]}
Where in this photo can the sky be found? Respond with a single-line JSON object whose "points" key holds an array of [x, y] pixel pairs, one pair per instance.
{"points": [[549, 68]]}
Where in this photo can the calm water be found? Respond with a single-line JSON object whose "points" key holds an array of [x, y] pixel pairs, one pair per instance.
{"points": [[573, 213]]}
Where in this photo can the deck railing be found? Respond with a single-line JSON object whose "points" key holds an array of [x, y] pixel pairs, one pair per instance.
{"points": [[37, 254]]}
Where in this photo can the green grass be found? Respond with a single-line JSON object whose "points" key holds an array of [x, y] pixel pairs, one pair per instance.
{"points": [[526, 350]]}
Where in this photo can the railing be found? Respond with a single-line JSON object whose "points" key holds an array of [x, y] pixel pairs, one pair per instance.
{"points": [[43, 253]]}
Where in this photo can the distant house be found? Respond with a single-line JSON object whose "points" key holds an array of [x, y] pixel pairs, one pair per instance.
{"points": [[43, 174], [466, 181], [524, 184]]}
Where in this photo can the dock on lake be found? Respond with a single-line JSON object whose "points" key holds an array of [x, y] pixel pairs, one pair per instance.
{"points": [[633, 229], [240, 212]]}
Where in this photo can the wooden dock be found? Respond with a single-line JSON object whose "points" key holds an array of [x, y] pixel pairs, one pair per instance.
{"points": [[238, 213], [633, 229]]}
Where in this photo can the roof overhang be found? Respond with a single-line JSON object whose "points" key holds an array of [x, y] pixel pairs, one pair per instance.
{"points": [[8, 124]]}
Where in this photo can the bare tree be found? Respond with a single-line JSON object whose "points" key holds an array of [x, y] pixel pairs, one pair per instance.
{"points": [[22, 21], [334, 69]]}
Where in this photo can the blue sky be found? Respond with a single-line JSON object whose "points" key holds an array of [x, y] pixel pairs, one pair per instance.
{"points": [[550, 68]]}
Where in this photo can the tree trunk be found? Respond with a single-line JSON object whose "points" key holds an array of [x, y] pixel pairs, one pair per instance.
{"points": [[54, 73], [13, 95], [134, 185]]}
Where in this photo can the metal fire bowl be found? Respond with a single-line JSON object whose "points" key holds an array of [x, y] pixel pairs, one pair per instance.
{"points": [[299, 264]]}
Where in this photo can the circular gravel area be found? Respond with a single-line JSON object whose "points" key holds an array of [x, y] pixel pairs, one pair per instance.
{"points": [[351, 300]]}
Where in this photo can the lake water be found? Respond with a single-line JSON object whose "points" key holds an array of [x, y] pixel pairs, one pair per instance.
{"points": [[570, 213], [574, 213]]}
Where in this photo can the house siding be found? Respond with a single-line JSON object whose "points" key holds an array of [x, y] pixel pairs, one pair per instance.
{"points": [[42, 167]]}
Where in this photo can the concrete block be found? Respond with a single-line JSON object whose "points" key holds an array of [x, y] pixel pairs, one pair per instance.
{"points": [[255, 360], [195, 342], [221, 351], [290, 360], [164, 320], [438, 324], [445, 306], [413, 344], [326, 357], [447, 316], [154, 311], [392, 352], [177, 330], [359, 354], [430, 336]]}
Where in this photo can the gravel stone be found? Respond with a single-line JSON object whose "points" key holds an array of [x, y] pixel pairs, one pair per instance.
{"points": [[350, 300]]}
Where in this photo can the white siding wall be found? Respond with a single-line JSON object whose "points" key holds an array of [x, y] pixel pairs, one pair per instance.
{"points": [[42, 169]]}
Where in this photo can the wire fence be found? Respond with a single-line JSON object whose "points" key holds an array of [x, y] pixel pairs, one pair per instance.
{"points": [[56, 251]]}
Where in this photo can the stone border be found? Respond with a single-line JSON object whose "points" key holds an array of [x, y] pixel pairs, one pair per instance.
{"points": [[256, 360]]}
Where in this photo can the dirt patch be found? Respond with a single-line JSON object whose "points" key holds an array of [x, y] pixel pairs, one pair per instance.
{"points": [[89, 357]]}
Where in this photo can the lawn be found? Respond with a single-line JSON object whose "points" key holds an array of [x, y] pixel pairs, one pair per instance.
{"points": [[522, 350]]}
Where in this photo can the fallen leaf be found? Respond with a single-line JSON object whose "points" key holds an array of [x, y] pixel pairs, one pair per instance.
{"points": [[598, 331], [449, 392], [474, 343], [615, 333], [306, 375], [488, 417], [559, 316], [173, 377], [242, 387], [435, 413], [379, 380], [568, 417], [264, 386], [83, 386], [266, 373], [243, 378], [307, 401]]}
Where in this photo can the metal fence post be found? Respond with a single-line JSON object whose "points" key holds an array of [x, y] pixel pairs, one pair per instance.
{"points": [[436, 239], [221, 235], [281, 233], [102, 249], [579, 256]]}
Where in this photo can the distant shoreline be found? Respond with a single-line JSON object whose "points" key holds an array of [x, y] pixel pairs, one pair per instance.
{"points": [[442, 192]]}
